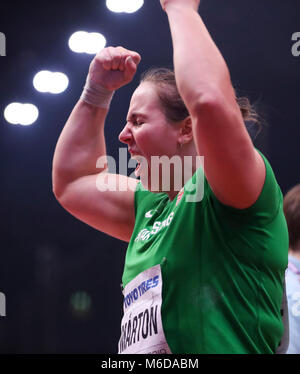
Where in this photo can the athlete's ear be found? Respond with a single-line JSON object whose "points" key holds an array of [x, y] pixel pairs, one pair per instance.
{"points": [[186, 131]]}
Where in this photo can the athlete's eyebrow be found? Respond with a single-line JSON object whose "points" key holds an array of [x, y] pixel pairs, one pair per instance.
{"points": [[135, 115]]}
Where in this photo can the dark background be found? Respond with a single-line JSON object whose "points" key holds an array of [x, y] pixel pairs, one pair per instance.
{"points": [[47, 255]]}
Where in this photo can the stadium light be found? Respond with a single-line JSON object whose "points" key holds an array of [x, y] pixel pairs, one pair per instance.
{"points": [[47, 81], [124, 6], [21, 114], [87, 42]]}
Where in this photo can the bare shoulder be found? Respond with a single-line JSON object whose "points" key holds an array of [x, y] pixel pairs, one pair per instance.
{"points": [[104, 201]]}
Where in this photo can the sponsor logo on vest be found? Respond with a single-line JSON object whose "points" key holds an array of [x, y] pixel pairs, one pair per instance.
{"points": [[140, 290], [150, 213], [157, 226]]}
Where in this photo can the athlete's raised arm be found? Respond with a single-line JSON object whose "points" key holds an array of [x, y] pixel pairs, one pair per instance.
{"points": [[76, 182], [234, 169]]}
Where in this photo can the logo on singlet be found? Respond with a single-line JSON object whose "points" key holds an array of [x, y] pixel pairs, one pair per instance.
{"points": [[150, 213], [145, 234]]}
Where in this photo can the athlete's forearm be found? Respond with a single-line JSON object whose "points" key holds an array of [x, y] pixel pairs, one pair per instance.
{"points": [[199, 66], [79, 146]]}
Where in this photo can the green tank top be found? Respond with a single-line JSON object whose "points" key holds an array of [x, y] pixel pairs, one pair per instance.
{"points": [[222, 269]]}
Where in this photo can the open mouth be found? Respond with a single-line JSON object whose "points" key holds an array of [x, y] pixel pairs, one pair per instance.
{"points": [[140, 160], [137, 171]]}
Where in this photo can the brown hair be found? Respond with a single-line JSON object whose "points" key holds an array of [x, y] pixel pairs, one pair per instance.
{"points": [[172, 103], [291, 208]]}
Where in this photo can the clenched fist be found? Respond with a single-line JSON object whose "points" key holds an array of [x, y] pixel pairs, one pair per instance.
{"points": [[194, 4], [114, 67]]}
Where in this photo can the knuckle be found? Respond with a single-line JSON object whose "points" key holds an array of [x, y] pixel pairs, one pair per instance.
{"points": [[102, 55], [120, 48]]}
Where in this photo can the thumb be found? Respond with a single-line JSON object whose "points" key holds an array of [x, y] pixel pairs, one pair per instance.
{"points": [[130, 67], [136, 58]]}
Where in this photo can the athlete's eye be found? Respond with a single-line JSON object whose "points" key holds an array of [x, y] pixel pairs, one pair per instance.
{"points": [[137, 123]]}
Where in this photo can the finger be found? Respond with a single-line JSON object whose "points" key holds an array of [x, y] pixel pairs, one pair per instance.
{"points": [[116, 56], [124, 54], [127, 52], [130, 67], [136, 57], [122, 62], [106, 59]]}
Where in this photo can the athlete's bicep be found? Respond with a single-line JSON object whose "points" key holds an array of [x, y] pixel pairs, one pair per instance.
{"points": [[234, 169], [104, 201]]}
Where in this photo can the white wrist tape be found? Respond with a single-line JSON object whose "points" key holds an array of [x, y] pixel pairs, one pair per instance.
{"points": [[97, 95]]}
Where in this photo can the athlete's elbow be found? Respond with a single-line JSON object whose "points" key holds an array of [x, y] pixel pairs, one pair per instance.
{"points": [[58, 190], [59, 185], [63, 196], [207, 102]]}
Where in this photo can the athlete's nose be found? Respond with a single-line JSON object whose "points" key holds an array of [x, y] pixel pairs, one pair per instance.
{"points": [[125, 135]]}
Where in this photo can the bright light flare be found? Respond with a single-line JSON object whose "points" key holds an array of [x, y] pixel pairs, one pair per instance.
{"points": [[21, 114], [85, 42], [124, 6], [47, 81]]}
